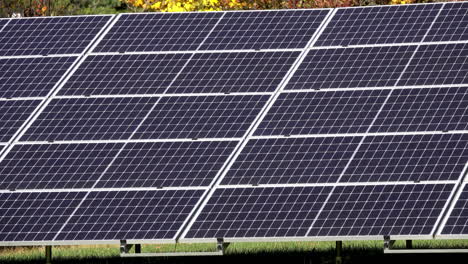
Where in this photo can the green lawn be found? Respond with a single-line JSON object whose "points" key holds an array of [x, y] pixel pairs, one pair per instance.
{"points": [[290, 252]]}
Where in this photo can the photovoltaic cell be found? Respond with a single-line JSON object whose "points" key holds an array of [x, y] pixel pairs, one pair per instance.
{"points": [[131, 215], [125, 74], [351, 67], [3, 23], [435, 157], [201, 117], [13, 114], [89, 119], [259, 212], [433, 109], [167, 164], [35, 216], [322, 112], [234, 72], [438, 64], [158, 32], [287, 29], [451, 23], [378, 210], [55, 166], [31, 77], [291, 160], [377, 25], [50, 35], [457, 222]]}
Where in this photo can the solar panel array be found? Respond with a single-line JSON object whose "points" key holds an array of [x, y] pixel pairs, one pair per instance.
{"points": [[253, 125]]}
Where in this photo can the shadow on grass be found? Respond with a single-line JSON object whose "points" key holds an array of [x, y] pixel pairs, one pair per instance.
{"points": [[350, 256]]}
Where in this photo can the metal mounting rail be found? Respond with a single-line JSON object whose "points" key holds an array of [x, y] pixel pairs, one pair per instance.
{"points": [[125, 251], [388, 249]]}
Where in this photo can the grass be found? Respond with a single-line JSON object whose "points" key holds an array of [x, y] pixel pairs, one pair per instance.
{"points": [[288, 252]]}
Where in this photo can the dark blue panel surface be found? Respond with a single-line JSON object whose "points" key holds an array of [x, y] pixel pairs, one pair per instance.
{"points": [[54, 166], [158, 32], [376, 25], [31, 77], [202, 116], [437, 64], [50, 35], [131, 215], [433, 109], [89, 119], [167, 164], [35, 216], [125, 74], [351, 67], [409, 158], [259, 212], [322, 112], [291, 160], [3, 23], [286, 29], [234, 72], [378, 210], [13, 114], [457, 223], [451, 25]]}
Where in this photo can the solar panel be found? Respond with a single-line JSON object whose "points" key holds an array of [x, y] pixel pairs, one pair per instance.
{"points": [[3, 23], [456, 222], [451, 23], [31, 77], [437, 64], [292, 160], [35, 216], [13, 115], [125, 74], [158, 32], [380, 210], [56, 166], [429, 109], [321, 112], [50, 35], [89, 119], [201, 116], [167, 164], [130, 215], [378, 25], [435, 157], [351, 67], [265, 30], [259, 212], [234, 72]]}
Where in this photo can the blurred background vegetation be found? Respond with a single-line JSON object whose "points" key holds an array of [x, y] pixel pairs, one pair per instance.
{"points": [[12, 8]]}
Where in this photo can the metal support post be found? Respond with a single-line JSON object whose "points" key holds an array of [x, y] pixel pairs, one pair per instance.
{"points": [[409, 244], [137, 248], [124, 247], [48, 254], [221, 246], [338, 249]]}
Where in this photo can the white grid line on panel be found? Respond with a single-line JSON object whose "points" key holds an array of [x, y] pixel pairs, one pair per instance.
{"points": [[22, 99], [107, 28], [368, 130], [211, 31], [6, 24], [257, 121], [123, 141], [454, 196], [160, 95], [375, 88], [433, 22], [389, 44], [38, 56], [194, 51], [333, 184], [105, 189], [369, 134]]}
